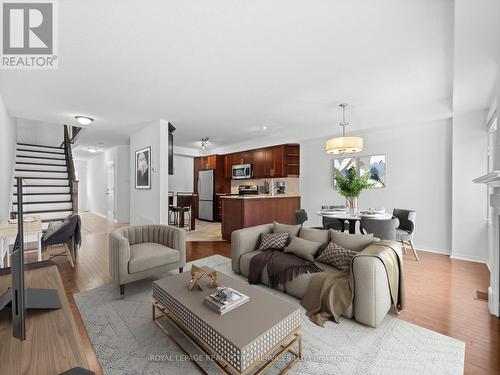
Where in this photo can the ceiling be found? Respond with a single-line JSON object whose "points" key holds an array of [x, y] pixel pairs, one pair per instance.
{"points": [[224, 68]]}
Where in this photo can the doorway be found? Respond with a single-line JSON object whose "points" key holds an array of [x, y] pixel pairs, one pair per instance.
{"points": [[110, 190]]}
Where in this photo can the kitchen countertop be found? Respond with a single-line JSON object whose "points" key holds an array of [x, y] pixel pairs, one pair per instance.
{"points": [[260, 196]]}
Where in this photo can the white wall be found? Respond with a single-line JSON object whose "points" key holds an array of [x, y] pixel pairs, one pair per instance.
{"points": [[469, 200], [418, 177], [150, 206], [7, 156], [182, 179], [122, 184], [81, 175], [97, 169], [39, 133]]}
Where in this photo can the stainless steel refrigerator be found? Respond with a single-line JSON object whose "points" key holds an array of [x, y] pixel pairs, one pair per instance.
{"points": [[206, 195]]}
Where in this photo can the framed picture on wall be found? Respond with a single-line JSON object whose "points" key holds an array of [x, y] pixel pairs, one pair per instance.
{"points": [[375, 166], [143, 168], [340, 166]]}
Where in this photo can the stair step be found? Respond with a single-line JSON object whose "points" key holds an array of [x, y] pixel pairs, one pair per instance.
{"points": [[41, 166], [42, 211], [35, 194], [39, 170], [46, 179], [42, 175], [51, 216], [38, 146], [45, 189], [44, 198], [40, 154], [42, 202], [42, 207], [61, 152], [30, 157]]}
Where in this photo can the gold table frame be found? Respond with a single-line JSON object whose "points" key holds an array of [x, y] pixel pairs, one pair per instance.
{"points": [[284, 346]]}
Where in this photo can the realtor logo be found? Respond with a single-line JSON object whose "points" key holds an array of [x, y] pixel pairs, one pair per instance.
{"points": [[28, 35]]}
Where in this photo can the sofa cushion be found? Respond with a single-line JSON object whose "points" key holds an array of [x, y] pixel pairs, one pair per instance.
{"points": [[356, 242], [276, 241], [318, 235], [304, 249], [292, 229], [245, 268], [337, 256], [149, 255]]}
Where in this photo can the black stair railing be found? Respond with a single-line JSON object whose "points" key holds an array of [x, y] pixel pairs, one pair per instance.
{"points": [[73, 182]]}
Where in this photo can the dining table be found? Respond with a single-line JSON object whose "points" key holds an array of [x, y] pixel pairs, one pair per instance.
{"points": [[352, 217]]}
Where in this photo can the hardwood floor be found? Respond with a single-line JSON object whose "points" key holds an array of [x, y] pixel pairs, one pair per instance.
{"points": [[440, 293]]}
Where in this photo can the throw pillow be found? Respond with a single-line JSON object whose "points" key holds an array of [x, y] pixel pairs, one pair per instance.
{"points": [[292, 229], [273, 241], [304, 249], [356, 242], [317, 235], [336, 256]]}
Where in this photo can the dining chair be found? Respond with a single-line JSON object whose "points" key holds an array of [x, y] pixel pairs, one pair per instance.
{"points": [[300, 217], [383, 229], [333, 223], [67, 234], [185, 206], [406, 229]]}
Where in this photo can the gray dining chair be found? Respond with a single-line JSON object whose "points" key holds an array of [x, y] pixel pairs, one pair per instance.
{"points": [[300, 217], [333, 223], [383, 229], [406, 229]]}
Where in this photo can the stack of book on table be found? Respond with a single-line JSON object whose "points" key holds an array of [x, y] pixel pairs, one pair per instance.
{"points": [[225, 299]]}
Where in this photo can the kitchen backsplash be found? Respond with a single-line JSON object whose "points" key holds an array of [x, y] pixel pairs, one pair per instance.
{"points": [[292, 184]]}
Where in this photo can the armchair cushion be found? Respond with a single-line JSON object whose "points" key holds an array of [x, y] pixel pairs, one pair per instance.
{"points": [[145, 256]]}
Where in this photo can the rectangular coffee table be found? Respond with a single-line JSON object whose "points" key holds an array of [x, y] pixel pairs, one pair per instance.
{"points": [[252, 335]]}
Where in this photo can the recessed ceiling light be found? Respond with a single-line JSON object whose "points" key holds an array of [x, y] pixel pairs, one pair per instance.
{"points": [[264, 127], [100, 143], [84, 120], [92, 150]]}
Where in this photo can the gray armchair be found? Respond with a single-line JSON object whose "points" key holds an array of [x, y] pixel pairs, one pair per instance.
{"points": [[383, 229], [406, 229], [139, 252]]}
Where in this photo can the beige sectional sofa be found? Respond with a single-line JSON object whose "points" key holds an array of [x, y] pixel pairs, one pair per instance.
{"points": [[371, 290]]}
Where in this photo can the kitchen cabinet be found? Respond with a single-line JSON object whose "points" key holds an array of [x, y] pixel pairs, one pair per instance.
{"points": [[275, 161], [245, 212]]}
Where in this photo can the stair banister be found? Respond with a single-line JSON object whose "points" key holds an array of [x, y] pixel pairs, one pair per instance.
{"points": [[71, 170]]}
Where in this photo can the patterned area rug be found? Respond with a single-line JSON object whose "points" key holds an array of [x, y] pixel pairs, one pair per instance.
{"points": [[127, 342]]}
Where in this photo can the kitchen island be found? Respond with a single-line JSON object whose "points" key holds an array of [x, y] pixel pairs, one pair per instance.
{"points": [[249, 210]]}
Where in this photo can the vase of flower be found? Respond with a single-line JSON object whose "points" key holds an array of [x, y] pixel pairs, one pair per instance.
{"points": [[352, 204], [351, 185]]}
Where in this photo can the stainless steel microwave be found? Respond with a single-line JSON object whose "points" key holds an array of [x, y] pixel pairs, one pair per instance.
{"points": [[242, 171]]}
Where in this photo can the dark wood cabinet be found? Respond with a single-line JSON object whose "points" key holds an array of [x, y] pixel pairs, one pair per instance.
{"points": [[229, 161], [275, 161]]}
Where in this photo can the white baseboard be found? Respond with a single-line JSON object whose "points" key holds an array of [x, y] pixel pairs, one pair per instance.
{"points": [[428, 249], [493, 303], [98, 214], [469, 258]]}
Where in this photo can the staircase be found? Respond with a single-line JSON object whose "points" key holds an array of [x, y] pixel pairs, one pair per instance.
{"points": [[49, 185]]}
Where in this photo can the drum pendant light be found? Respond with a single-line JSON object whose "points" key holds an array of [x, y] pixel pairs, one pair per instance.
{"points": [[344, 145]]}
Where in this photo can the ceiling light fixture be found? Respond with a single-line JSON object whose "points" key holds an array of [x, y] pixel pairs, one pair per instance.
{"points": [[264, 127], [204, 143], [84, 120], [92, 150], [344, 145]]}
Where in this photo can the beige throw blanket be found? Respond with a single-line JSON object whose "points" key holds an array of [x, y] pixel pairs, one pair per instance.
{"points": [[329, 294]]}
